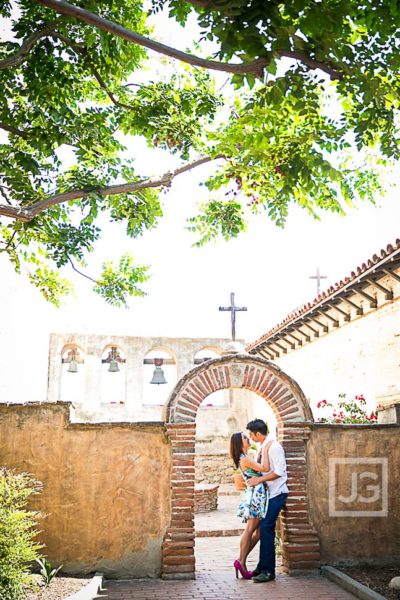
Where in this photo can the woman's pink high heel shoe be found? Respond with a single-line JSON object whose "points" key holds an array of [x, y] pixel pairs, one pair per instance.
{"points": [[244, 573]]}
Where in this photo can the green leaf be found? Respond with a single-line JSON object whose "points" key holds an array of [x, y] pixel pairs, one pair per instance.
{"points": [[117, 283]]}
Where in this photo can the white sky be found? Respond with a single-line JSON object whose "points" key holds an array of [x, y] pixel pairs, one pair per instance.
{"points": [[267, 268]]}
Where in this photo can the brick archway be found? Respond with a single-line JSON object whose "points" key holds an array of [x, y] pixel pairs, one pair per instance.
{"points": [[300, 544]]}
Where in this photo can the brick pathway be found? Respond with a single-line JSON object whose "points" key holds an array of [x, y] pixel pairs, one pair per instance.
{"points": [[215, 576], [226, 522]]}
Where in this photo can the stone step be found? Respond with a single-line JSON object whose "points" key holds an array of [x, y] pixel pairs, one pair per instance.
{"points": [[219, 532]]}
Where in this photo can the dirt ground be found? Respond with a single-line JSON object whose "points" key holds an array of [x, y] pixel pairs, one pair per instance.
{"points": [[59, 588], [376, 578]]}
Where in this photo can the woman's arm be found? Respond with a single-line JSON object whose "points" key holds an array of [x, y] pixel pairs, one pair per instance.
{"points": [[248, 463]]}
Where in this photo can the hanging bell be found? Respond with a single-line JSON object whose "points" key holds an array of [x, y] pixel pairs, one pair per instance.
{"points": [[158, 376], [114, 366], [73, 366]]}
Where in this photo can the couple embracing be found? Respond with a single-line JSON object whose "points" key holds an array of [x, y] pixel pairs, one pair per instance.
{"points": [[264, 497]]}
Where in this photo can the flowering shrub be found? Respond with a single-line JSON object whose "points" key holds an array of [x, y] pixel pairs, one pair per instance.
{"points": [[352, 411]]}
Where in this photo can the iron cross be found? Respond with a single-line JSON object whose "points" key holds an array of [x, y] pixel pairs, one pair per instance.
{"points": [[318, 277], [234, 309]]}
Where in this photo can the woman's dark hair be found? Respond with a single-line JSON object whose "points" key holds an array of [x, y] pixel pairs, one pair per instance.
{"points": [[257, 426], [236, 448]]}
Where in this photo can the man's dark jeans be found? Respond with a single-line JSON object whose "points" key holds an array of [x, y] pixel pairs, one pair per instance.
{"points": [[267, 534]]}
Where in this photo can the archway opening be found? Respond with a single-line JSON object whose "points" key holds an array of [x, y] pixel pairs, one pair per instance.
{"points": [[217, 527], [300, 544]]}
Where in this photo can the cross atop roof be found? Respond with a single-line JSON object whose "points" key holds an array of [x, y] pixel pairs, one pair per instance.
{"points": [[318, 277]]}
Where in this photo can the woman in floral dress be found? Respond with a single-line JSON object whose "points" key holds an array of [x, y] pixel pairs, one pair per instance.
{"points": [[254, 502]]}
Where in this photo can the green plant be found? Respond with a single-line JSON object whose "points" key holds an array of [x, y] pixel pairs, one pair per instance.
{"points": [[311, 117], [353, 411], [47, 571], [18, 547]]}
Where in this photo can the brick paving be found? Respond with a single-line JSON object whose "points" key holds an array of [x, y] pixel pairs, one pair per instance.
{"points": [[215, 576], [226, 522]]}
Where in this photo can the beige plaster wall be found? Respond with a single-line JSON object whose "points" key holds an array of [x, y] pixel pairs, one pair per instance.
{"points": [[106, 487], [360, 357], [352, 539]]}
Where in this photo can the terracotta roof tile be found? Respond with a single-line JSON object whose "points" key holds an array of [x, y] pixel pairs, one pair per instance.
{"points": [[375, 259]]}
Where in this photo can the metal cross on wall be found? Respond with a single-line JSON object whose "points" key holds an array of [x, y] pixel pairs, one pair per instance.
{"points": [[234, 309], [318, 277]]}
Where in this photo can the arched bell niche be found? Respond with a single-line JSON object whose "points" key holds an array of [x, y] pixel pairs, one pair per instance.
{"points": [[159, 377], [73, 373], [113, 376]]}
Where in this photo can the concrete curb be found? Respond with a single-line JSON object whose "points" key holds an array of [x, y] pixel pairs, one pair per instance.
{"points": [[351, 585], [90, 591]]}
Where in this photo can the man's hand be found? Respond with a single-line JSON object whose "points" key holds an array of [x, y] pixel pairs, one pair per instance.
{"points": [[253, 481]]}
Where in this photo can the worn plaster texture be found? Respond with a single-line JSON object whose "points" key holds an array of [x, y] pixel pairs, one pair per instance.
{"points": [[105, 487], [348, 462]]}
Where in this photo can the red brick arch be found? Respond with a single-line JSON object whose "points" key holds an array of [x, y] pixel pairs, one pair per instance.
{"points": [[300, 544]]}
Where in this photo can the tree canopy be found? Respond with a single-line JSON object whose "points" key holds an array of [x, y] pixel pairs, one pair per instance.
{"points": [[309, 113]]}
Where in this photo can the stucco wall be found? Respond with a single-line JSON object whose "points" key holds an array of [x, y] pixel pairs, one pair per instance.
{"points": [[352, 539], [106, 487], [363, 359]]}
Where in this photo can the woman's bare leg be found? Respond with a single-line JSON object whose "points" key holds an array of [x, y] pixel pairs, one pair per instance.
{"points": [[246, 540], [255, 538]]}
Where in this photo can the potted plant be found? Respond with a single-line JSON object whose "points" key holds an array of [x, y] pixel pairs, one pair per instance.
{"points": [[238, 480]]}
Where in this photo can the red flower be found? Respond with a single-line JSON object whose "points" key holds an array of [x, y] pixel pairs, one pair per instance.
{"points": [[322, 403]]}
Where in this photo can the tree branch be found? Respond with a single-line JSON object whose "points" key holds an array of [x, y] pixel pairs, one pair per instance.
{"points": [[256, 66], [65, 8], [27, 45], [83, 51], [80, 272], [13, 130], [10, 241], [207, 4], [4, 194], [16, 212], [311, 63], [28, 212]]}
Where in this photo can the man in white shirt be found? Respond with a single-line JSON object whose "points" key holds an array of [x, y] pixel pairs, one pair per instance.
{"points": [[276, 480]]}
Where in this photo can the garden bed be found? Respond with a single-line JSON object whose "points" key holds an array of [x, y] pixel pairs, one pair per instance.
{"points": [[376, 578], [59, 588]]}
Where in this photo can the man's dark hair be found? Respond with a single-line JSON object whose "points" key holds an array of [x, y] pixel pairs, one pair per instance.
{"points": [[257, 426]]}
